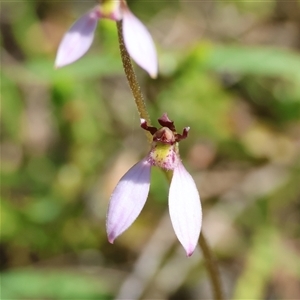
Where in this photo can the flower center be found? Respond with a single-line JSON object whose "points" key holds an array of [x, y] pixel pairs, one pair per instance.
{"points": [[164, 151], [164, 155]]}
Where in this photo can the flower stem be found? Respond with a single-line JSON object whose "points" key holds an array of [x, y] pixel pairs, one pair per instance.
{"points": [[132, 81], [141, 107], [212, 268]]}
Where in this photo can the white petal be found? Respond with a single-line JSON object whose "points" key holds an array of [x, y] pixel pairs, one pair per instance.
{"points": [[128, 199], [185, 209], [139, 43], [77, 40]]}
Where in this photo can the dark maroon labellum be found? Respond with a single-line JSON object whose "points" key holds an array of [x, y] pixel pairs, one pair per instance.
{"points": [[163, 135]]}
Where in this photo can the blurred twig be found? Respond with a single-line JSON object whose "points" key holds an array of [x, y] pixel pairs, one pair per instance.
{"points": [[211, 267]]}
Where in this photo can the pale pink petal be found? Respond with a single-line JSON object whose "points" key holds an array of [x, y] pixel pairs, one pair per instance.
{"points": [[128, 199], [139, 43], [77, 40], [185, 209]]}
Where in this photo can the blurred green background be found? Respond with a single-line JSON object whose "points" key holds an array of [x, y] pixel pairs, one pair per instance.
{"points": [[228, 69]]}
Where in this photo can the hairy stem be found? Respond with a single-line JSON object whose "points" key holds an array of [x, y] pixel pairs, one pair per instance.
{"points": [[212, 268], [132, 81]]}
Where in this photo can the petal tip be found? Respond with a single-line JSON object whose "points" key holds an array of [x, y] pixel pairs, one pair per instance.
{"points": [[190, 252], [153, 75], [111, 239], [59, 62]]}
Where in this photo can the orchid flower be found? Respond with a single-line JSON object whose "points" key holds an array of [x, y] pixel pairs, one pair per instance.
{"points": [[137, 38], [131, 192]]}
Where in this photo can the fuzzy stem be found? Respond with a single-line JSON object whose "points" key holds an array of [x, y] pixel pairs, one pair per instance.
{"points": [[132, 81], [212, 268]]}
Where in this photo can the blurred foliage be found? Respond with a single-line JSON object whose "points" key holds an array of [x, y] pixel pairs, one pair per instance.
{"points": [[52, 285], [230, 71]]}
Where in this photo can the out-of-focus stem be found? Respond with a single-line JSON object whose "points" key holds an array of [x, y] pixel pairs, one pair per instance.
{"points": [[212, 268], [132, 81]]}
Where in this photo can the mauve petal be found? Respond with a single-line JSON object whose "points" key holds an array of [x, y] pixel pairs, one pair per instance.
{"points": [[185, 209], [128, 199], [77, 40], [139, 43]]}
